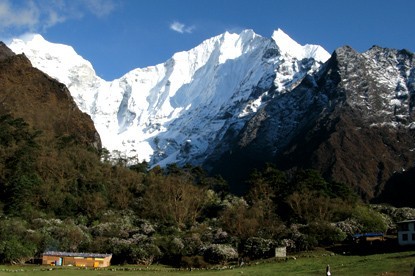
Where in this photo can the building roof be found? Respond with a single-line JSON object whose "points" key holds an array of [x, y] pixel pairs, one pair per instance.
{"points": [[76, 254], [406, 221], [372, 234]]}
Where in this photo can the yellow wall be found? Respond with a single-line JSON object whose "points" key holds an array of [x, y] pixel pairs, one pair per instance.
{"points": [[77, 261]]}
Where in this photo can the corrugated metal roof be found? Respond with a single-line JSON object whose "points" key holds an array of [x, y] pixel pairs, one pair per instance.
{"points": [[75, 254]]}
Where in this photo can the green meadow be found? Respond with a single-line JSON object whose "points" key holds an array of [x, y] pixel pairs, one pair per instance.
{"points": [[308, 263]]}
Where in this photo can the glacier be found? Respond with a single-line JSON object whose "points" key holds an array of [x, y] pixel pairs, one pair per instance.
{"points": [[179, 111]]}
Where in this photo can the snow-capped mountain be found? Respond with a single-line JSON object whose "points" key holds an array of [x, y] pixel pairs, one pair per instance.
{"points": [[179, 111], [237, 101]]}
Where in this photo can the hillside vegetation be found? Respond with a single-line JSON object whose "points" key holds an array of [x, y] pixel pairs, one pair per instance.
{"points": [[67, 196]]}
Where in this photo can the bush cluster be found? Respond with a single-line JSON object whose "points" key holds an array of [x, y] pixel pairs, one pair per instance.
{"points": [[58, 194]]}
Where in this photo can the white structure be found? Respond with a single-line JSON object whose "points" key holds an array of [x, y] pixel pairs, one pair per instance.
{"points": [[281, 252], [406, 232]]}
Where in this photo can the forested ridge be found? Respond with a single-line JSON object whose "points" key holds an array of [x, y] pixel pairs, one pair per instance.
{"points": [[60, 194]]}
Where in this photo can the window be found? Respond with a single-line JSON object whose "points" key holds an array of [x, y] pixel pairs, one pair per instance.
{"points": [[413, 236], [404, 237], [404, 227]]}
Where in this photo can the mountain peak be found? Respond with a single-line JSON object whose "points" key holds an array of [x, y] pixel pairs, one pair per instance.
{"points": [[287, 45], [35, 45], [30, 37], [57, 60], [196, 96], [285, 42]]}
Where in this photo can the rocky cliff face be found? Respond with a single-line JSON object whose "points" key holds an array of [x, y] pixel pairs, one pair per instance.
{"points": [[43, 102], [353, 121]]}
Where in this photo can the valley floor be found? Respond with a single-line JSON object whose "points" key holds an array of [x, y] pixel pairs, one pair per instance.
{"points": [[306, 263]]}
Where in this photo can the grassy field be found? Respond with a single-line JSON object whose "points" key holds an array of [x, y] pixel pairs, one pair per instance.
{"points": [[314, 263]]}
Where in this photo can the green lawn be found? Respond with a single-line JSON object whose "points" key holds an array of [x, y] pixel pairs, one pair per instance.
{"points": [[313, 263]]}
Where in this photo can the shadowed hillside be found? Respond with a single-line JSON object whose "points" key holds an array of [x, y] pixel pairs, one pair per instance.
{"points": [[44, 103]]}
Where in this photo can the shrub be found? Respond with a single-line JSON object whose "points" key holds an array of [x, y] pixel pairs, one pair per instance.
{"points": [[171, 248], [369, 219], [306, 237], [220, 253], [61, 235], [16, 251], [192, 244], [17, 243], [144, 254], [257, 248], [324, 233], [349, 226], [136, 250]]}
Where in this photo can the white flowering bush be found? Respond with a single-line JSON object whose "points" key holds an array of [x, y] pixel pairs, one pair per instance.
{"points": [[136, 250], [349, 226], [220, 253], [220, 236], [392, 215], [193, 245], [146, 227], [62, 236], [257, 248]]}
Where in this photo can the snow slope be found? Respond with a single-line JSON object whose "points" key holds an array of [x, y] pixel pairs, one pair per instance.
{"points": [[179, 111]]}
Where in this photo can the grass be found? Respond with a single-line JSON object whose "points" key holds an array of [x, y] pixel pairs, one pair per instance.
{"points": [[313, 263]]}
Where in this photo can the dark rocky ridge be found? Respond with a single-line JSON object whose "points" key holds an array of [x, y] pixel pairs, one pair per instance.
{"points": [[44, 103], [5, 52], [341, 121]]}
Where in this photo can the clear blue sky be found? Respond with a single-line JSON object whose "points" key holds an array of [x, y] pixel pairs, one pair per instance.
{"points": [[120, 35]]}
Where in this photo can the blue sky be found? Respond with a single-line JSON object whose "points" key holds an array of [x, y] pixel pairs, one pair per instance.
{"points": [[120, 35]]}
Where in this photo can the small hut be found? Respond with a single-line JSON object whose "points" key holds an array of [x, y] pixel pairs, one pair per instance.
{"points": [[406, 232], [368, 237], [57, 258]]}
